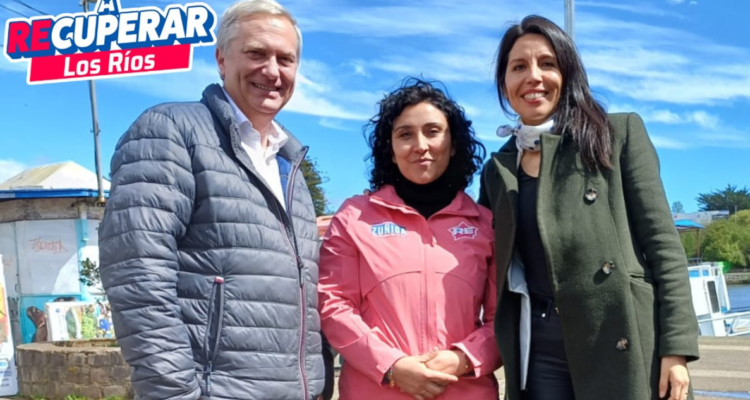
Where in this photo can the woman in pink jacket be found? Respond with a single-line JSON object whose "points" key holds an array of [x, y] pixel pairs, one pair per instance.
{"points": [[407, 277]]}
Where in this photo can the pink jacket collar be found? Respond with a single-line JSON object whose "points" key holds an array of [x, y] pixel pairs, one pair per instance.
{"points": [[462, 205]]}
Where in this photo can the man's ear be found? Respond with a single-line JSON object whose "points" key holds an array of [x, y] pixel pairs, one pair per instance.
{"points": [[220, 62]]}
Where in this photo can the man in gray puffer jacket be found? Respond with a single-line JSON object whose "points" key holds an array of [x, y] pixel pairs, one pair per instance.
{"points": [[209, 246]]}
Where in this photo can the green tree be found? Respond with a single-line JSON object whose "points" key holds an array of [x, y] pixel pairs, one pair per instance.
{"points": [[729, 240], [677, 208], [689, 240], [315, 184], [728, 199]]}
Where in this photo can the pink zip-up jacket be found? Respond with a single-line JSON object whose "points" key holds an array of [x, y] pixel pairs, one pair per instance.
{"points": [[395, 284]]}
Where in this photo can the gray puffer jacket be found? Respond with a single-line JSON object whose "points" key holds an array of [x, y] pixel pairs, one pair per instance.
{"points": [[212, 284]]}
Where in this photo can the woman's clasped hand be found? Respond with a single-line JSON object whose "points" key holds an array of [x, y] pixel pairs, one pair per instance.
{"points": [[426, 376]]}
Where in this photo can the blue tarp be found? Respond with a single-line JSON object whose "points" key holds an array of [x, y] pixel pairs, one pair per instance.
{"points": [[687, 224], [48, 193]]}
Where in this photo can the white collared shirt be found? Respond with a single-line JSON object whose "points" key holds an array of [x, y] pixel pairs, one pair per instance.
{"points": [[263, 158]]}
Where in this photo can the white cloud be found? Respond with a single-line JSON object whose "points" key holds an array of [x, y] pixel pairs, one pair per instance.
{"points": [[687, 129], [181, 86], [659, 69], [637, 60], [411, 18], [726, 138], [664, 116], [6, 65], [635, 8], [473, 64], [305, 103], [704, 119], [649, 114], [335, 124], [471, 111], [700, 118], [358, 68], [10, 168], [668, 143], [317, 92]]}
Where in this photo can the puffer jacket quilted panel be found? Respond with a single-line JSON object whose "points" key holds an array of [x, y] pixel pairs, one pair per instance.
{"points": [[212, 295]]}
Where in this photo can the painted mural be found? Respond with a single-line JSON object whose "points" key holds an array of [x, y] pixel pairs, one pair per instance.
{"points": [[78, 320], [42, 260], [8, 373]]}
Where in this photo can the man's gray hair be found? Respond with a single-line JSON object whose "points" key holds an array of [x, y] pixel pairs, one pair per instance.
{"points": [[246, 8]]}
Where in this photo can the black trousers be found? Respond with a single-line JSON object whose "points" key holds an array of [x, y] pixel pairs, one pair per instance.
{"points": [[549, 376]]}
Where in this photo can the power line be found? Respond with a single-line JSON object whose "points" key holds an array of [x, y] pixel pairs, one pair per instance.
{"points": [[30, 7], [14, 11]]}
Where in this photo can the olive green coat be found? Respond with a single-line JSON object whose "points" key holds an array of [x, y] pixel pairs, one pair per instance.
{"points": [[646, 298]]}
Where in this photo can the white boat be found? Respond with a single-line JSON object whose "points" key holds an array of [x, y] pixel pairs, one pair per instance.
{"points": [[711, 303]]}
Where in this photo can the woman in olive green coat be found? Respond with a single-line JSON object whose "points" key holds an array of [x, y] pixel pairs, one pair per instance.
{"points": [[594, 300]]}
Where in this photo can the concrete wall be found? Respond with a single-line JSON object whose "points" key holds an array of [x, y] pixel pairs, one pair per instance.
{"points": [[36, 209], [53, 371]]}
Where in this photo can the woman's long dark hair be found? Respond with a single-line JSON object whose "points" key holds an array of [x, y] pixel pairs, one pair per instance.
{"points": [[469, 152], [577, 115]]}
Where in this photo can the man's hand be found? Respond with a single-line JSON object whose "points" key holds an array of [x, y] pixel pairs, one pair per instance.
{"points": [[449, 361], [674, 374], [412, 376]]}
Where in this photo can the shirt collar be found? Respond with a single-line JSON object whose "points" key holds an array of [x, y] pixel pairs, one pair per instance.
{"points": [[276, 140]]}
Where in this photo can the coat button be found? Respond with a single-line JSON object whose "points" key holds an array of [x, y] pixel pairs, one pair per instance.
{"points": [[608, 267], [590, 195], [622, 344]]}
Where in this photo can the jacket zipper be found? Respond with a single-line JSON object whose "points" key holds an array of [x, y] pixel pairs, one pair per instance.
{"points": [[303, 309], [426, 345], [211, 353], [289, 230]]}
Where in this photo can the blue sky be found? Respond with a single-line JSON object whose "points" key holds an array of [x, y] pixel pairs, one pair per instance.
{"points": [[683, 65]]}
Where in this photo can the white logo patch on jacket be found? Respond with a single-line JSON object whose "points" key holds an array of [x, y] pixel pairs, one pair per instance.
{"points": [[463, 231]]}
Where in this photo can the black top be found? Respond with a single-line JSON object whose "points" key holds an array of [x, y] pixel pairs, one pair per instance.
{"points": [[528, 240], [426, 199]]}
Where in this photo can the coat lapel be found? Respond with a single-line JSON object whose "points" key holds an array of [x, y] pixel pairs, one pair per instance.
{"points": [[550, 147], [505, 208]]}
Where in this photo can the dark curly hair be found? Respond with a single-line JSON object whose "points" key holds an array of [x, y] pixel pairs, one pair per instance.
{"points": [[469, 152]]}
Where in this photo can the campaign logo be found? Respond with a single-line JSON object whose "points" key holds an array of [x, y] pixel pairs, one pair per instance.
{"points": [[463, 231], [387, 229], [109, 42]]}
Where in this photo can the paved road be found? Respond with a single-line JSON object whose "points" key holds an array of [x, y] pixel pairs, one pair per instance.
{"points": [[724, 367]]}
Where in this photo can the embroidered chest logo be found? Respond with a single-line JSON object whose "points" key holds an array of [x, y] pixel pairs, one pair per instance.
{"points": [[387, 229], [463, 231]]}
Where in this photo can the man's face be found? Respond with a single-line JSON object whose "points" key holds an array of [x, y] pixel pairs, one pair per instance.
{"points": [[260, 64]]}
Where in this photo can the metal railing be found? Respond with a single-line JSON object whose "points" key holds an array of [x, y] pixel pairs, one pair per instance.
{"points": [[732, 328]]}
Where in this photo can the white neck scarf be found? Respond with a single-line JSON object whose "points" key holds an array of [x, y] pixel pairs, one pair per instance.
{"points": [[528, 137]]}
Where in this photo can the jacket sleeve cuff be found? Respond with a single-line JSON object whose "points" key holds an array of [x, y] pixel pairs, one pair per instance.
{"points": [[371, 357], [384, 363], [475, 362], [686, 346], [478, 353]]}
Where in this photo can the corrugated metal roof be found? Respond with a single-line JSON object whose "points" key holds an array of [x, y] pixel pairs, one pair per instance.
{"points": [[65, 175]]}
